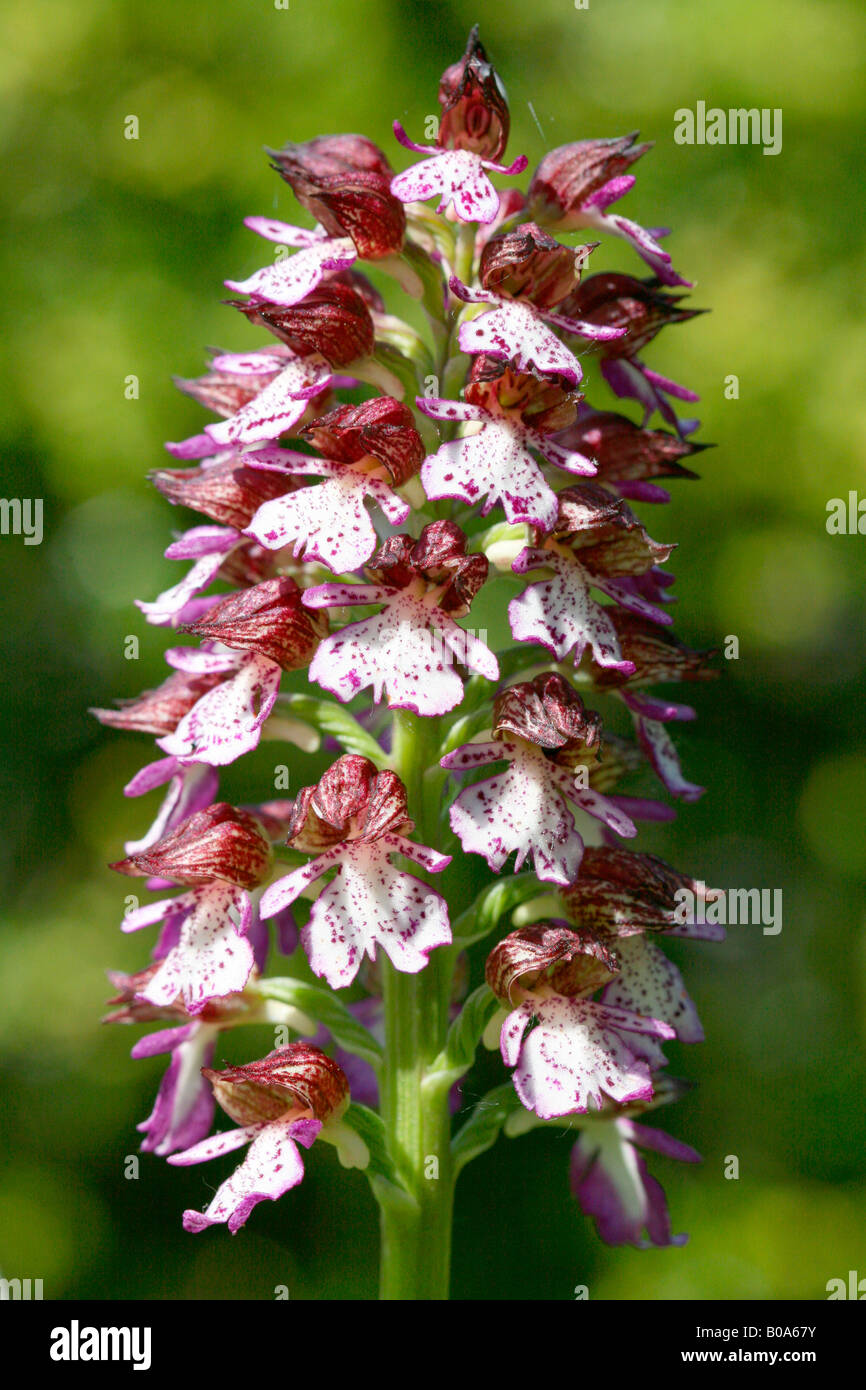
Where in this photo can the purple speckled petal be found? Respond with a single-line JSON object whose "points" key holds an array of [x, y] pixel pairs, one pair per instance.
{"points": [[278, 406], [396, 652], [572, 1058], [459, 180], [284, 232], [517, 332], [328, 522], [212, 957], [438, 408], [651, 984], [659, 748], [272, 1166], [560, 614], [290, 280], [368, 904], [493, 463], [227, 721], [198, 661], [522, 810]]}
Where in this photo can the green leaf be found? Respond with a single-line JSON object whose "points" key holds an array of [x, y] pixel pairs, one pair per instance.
{"points": [[464, 1036], [492, 903], [328, 1010], [337, 721], [484, 1125], [430, 276], [371, 1130]]}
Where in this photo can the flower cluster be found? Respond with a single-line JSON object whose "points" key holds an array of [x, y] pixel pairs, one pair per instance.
{"points": [[355, 523]]}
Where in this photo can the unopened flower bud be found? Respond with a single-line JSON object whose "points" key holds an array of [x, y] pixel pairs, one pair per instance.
{"points": [[569, 177], [329, 154], [332, 320], [269, 619], [160, 711], [622, 301], [474, 106], [221, 842]]}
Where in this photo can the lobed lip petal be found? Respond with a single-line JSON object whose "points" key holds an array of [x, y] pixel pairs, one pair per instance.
{"points": [[227, 721], [272, 1166], [517, 332], [575, 1056], [560, 614], [371, 904], [212, 958], [268, 619]]}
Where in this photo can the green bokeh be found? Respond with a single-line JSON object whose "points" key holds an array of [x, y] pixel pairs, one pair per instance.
{"points": [[113, 257]]}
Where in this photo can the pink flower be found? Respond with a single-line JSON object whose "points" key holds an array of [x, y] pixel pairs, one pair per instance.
{"points": [[358, 818], [291, 279], [510, 414], [371, 448], [409, 648], [519, 332], [457, 177], [280, 1102], [597, 543], [270, 631], [574, 185], [542, 730], [220, 854], [577, 1051]]}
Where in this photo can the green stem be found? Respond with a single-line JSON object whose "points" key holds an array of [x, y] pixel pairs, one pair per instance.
{"points": [[416, 1237]]}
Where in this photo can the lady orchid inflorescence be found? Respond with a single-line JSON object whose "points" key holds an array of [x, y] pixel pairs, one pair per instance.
{"points": [[417, 556]]}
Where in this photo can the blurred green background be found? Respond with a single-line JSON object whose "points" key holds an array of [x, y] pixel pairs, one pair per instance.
{"points": [[113, 256]]}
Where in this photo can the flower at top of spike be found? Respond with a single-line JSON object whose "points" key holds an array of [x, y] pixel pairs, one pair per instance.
{"points": [[474, 106], [472, 135]]}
